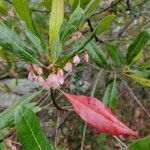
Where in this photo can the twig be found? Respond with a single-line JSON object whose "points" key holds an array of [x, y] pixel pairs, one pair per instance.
{"points": [[135, 98], [40, 11], [92, 94], [125, 27], [107, 8], [128, 4], [91, 29], [53, 100]]}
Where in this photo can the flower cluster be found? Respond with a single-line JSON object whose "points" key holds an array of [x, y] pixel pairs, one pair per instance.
{"points": [[55, 78]]}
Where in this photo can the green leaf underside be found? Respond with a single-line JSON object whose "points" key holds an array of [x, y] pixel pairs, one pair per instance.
{"points": [[29, 132]]}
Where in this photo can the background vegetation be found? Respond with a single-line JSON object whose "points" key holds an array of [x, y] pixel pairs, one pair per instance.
{"points": [[115, 37]]}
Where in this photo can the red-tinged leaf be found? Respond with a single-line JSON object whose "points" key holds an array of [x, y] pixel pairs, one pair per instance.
{"points": [[96, 114]]}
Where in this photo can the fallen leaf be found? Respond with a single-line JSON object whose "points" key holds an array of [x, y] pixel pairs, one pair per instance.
{"points": [[98, 115]]}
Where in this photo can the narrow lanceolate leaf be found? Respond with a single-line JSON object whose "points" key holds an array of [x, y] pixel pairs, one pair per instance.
{"points": [[96, 54], [134, 49], [96, 114], [139, 79], [74, 20], [142, 144], [56, 20], [114, 54], [2, 7], [11, 42], [104, 23], [71, 2], [34, 40], [92, 5], [23, 10], [29, 132], [48, 4], [110, 95], [141, 72]]}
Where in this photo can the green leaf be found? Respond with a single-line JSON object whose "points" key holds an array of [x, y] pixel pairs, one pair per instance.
{"points": [[139, 79], [48, 4], [23, 10], [142, 144], [7, 116], [56, 20], [65, 58], [29, 132], [92, 5], [74, 20], [110, 95], [96, 54], [11, 42], [143, 73], [34, 40], [2, 7], [135, 47], [71, 2], [105, 23], [114, 54]]}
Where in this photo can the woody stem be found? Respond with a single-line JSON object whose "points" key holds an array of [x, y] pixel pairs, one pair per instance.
{"points": [[53, 100]]}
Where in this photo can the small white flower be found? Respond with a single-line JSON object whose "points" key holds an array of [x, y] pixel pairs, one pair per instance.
{"points": [[76, 60], [38, 69], [86, 57], [32, 76], [68, 67], [42, 83], [60, 76]]}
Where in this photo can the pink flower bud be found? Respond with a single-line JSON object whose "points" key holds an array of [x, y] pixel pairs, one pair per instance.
{"points": [[76, 35], [50, 66], [52, 81], [32, 76], [86, 57], [68, 67], [76, 60], [60, 76], [10, 13], [38, 69], [29, 67], [42, 83]]}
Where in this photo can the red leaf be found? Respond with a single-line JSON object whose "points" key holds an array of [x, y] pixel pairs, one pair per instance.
{"points": [[95, 113]]}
